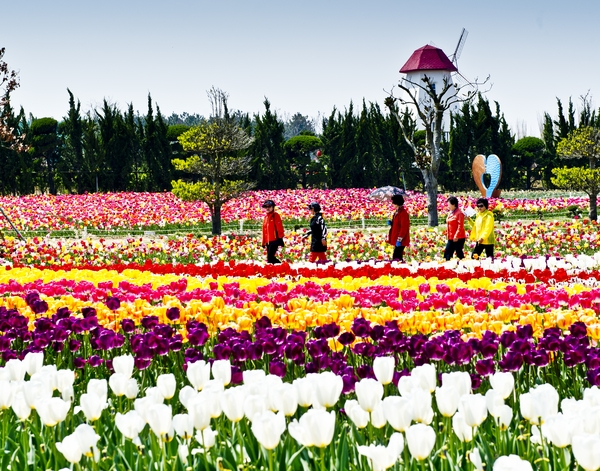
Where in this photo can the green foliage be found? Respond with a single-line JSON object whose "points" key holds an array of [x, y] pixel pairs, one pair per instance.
{"points": [[529, 152], [175, 130], [219, 151], [44, 143], [300, 150], [580, 179], [581, 143]]}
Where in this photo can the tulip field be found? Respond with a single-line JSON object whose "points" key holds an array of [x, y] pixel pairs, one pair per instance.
{"points": [[186, 351]]}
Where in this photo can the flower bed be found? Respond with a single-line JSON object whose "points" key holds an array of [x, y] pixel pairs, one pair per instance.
{"points": [[117, 211]]}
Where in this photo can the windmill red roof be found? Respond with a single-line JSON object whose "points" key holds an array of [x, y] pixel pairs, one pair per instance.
{"points": [[428, 58]]}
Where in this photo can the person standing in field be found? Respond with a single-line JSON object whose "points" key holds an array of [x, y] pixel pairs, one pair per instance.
{"points": [[455, 230], [318, 234], [482, 230], [399, 235], [272, 231]]}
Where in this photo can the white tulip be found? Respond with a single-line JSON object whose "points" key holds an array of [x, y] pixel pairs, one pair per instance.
{"points": [[221, 371], [183, 425], [118, 384], [591, 396], [232, 403], [446, 398], [33, 362], [586, 449], [20, 406], [131, 389], [462, 430], [143, 404], [358, 416], [427, 376], [475, 458], [70, 449], [166, 384], [267, 427], [539, 403], [494, 402], [160, 420], [99, 387], [328, 387], [408, 384], [52, 411], [212, 398], [87, 438], [65, 379], [459, 380], [283, 398], [559, 429], [382, 457], [155, 395], [504, 417], [198, 374], [254, 405], [183, 451], [315, 428], [398, 412], [124, 365], [305, 390], [36, 390], [186, 394], [503, 382], [383, 367], [378, 419], [369, 393], [421, 400], [473, 408], [511, 463], [130, 424], [420, 439], [206, 438], [92, 406], [199, 411], [7, 392], [253, 376], [16, 369]]}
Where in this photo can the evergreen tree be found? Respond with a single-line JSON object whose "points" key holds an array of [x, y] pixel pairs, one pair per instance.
{"points": [[269, 166], [72, 162], [157, 151], [44, 143]]}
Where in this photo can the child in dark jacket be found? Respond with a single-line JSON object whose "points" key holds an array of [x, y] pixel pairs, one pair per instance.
{"points": [[318, 234]]}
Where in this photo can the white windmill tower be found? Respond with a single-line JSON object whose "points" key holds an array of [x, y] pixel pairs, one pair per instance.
{"points": [[431, 62]]}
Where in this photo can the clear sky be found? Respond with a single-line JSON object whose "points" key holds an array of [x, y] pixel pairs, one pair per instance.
{"points": [[305, 57]]}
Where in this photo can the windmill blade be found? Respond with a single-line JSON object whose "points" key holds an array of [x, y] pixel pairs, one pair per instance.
{"points": [[459, 47]]}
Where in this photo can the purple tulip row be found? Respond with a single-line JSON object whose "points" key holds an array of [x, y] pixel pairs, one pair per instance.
{"points": [[83, 341]]}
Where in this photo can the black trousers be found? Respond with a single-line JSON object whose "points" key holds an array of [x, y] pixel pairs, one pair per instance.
{"points": [[479, 248], [272, 252], [398, 253], [452, 247]]}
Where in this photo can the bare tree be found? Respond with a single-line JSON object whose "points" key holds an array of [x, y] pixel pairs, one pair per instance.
{"points": [[430, 102], [9, 81]]}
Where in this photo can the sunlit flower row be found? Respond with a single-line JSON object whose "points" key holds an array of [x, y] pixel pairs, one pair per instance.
{"points": [[145, 210], [518, 239]]}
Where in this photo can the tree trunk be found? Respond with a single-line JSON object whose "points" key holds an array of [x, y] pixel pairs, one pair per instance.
{"points": [[594, 207], [215, 215], [431, 188]]}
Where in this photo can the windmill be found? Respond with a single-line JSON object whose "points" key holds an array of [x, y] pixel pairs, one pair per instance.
{"points": [[457, 77]]}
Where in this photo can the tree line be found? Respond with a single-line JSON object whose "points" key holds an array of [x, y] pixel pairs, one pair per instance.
{"points": [[108, 149]]}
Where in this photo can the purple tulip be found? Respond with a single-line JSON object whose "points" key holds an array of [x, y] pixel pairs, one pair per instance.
{"points": [[191, 355], [142, 363], [88, 311], [128, 325], [349, 383], [94, 361], [173, 313], [361, 327], [485, 367], [277, 368], [198, 336], [113, 303], [149, 322], [346, 338], [79, 363]]}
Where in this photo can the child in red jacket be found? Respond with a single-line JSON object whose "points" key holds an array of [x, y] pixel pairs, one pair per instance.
{"points": [[399, 235], [272, 232]]}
